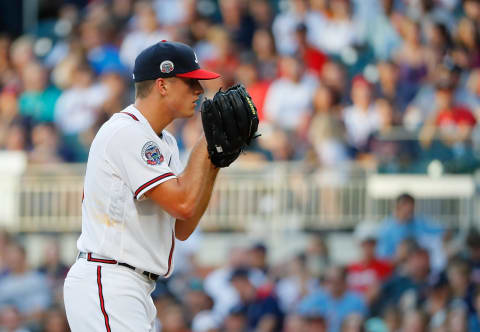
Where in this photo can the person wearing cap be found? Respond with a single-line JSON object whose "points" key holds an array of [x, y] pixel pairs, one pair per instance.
{"points": [[138, 198], [366, 275]]}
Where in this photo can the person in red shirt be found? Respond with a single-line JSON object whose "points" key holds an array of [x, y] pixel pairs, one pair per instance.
{"points": [[366, 275], [453, 123]]}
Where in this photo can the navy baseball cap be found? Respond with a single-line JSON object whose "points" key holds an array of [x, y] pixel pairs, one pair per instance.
{"points": [[169, 59]]}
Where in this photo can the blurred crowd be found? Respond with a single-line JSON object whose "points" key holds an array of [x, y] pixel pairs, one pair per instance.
{"points": [[409, 275], [390, 84]]}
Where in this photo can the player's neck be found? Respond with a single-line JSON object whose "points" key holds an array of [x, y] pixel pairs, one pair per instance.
{"points": [[156, 117]]}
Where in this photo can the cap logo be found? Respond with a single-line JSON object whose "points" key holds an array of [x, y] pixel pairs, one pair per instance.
{"points": [[196, 59], [166, 66]]}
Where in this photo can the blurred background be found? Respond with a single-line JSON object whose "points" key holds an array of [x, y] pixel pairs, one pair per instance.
{"points": [[356, 210]]}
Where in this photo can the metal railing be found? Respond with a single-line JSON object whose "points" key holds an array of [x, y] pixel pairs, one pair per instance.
{"points": [[268, 198]]}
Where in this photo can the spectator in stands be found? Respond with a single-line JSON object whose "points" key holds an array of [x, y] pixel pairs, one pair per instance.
{"points": [[327, 132], [313, 58], [288, 101], [77, 110], [454, 125], [336, 302], [474, 318], [408, 290], [361, 118], [146, 32], [258, 257], [389, 87], [411, 57], [236, 320], [339, 31], [53, 268], [10, 320], [353, 323], [24, 288], [262, 308], [285, 24], [462, 288], [237, 22], [457, 318], [4, 242], [297, 283], [265, 55], [55, 321], [173, 319], [367, 275], [205, 321], [405, 224], [45, 149], [438, 298], [414, 321], [311, 322], [473, 254], [37, 102], [218, 286], [15, 137]]}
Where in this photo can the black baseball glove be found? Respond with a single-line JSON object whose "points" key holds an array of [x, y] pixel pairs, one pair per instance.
{"points": [[230, 122]]}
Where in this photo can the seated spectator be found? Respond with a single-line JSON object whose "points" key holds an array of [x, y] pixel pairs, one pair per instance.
{"points": [[296, 284], [262, 308], [453, 124], [473, 251], [438, 297], [313, 321], [77, 110], [236, 320], [37, 102], [403, 224], [288, 100], [265, 55], [339, 31], [54, 269], [457, 318], [312, 57], [4, 242], [461, 286], [414, 321], [218, 286], [411, 57], [353, 323], [407, 290], [45, 145], [11, 321], [327, 133], [25, 289], [55, 320], [367, 275], [146, 32], [474, 318], [173, 320], [205, 321], [387, 151], [335, 302], [361, 118]]}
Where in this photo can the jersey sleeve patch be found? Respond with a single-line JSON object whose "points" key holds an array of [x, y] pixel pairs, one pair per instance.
{"points": [[151, 154]]}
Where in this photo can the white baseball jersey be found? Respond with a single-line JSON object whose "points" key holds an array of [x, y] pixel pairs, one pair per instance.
{"points": [[127, 159]]}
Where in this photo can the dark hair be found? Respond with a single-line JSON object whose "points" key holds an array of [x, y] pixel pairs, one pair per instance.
{"points": [[405, 197], [142, 89], [473, 238]]}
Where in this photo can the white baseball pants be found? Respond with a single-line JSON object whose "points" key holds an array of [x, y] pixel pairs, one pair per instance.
{"points": [[108, 297]]}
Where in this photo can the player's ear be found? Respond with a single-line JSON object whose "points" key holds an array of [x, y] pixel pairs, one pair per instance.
{"points": [[161, 86]]}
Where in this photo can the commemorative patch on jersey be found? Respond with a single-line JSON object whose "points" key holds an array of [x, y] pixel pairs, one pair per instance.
{"points": [[151, 153]]}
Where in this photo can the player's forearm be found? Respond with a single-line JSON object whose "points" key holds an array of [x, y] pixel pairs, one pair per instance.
{"points": [[198, 176], [184, 228]]}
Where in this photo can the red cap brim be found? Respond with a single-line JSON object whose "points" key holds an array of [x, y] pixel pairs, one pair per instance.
{"points": [[200, 74]]}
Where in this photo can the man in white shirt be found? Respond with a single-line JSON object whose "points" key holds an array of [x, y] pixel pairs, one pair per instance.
{"points": [[136, 201]]}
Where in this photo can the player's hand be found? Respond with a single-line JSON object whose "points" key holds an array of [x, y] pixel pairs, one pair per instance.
{"points": [[230, 122]]}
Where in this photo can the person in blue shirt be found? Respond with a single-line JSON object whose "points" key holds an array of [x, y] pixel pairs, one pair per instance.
{"points": [[403, 224], [335, 300]]}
